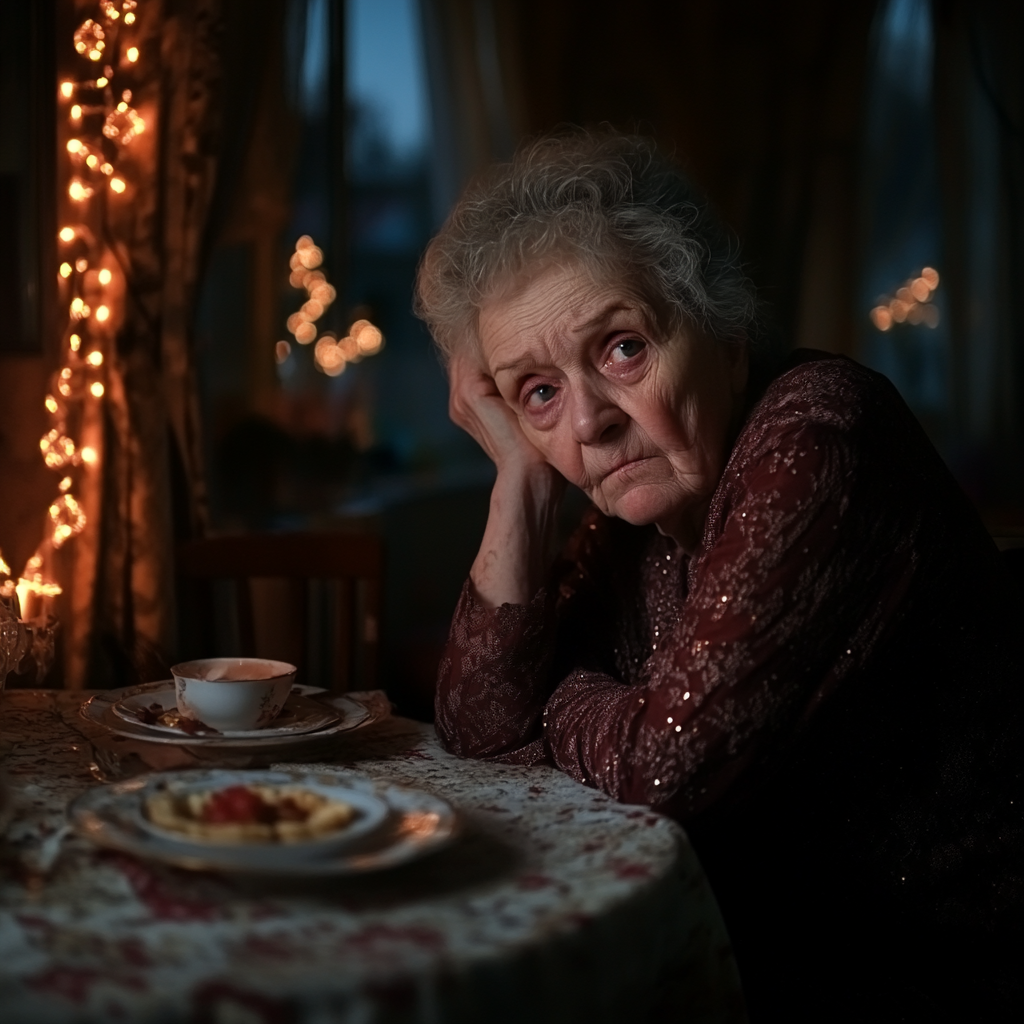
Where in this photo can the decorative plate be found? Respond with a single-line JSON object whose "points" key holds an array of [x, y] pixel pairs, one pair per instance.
{"points": [[416, 823], [299, 715]]}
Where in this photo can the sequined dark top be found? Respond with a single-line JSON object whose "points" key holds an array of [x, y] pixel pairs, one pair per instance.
{"points": [[828, 692]]}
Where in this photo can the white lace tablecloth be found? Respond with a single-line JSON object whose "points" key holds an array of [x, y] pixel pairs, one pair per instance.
{"points": [[557, 904]]}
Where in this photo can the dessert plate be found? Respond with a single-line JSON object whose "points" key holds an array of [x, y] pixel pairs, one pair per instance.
{"points": [[370, 812], [415, 824], [299, 715]]}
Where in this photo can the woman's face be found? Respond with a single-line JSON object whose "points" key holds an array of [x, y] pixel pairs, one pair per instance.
{"points": [[639, 422]]}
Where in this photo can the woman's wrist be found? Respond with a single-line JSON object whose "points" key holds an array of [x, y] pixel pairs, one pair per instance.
{"points": [[516, 549]]}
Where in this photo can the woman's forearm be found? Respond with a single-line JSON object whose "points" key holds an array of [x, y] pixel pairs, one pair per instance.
{"points": [[516, 549]]}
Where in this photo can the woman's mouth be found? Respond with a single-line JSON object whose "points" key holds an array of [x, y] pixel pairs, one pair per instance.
{"points": [[627, 466]]}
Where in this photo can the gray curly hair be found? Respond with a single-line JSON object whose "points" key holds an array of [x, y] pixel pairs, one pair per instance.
{"points": [[609, 201]]}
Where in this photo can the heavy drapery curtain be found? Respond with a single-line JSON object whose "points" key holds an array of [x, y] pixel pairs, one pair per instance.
{"points": [[760, 102], [979, 98], [118, 605]]}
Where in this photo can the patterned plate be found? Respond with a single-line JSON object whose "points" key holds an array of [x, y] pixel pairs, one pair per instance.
{"points": [[418, 823], [299, 715]]}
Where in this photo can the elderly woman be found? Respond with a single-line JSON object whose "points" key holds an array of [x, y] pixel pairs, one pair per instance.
{"points": [[780, 622]]}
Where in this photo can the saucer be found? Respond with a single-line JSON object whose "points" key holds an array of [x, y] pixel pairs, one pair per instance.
{"points": [[299, 715]]}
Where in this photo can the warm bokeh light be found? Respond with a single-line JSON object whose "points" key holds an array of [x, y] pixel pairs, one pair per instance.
{"points": [[367, 337], [881, 317], [911, 303], [282, 350], [79, 190], [95, 40], [305, 333]]}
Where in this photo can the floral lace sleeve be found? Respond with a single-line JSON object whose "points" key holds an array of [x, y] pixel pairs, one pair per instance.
{"points": [[659, 681]]}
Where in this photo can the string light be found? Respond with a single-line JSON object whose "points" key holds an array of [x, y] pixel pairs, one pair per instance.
{"points": [[330, 355], [910, 304], [90, 154]]}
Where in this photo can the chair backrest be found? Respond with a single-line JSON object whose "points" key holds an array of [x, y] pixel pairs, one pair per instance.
{"points": [[312, 598]]}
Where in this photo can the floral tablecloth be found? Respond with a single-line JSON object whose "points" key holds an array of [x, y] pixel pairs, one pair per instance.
{"points": [[557, 904]]}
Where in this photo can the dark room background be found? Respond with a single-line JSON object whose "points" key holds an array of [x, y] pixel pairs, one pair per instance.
{"points": [[867, 155]]}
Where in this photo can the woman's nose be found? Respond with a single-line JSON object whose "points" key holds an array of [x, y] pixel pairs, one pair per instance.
{"points": [[595, 418]]}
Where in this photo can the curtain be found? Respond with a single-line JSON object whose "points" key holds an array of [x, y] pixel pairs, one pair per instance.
{"points": [[761, 103], [119, 607], [979, 98]]}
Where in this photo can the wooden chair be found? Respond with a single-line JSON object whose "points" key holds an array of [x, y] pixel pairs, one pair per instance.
{"points": [[313, 599]]}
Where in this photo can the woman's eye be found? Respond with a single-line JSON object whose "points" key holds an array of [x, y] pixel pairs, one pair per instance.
{"points": [[541, 395], [626, 349]]}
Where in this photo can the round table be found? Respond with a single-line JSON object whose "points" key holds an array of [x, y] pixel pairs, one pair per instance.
{"points": [[556, 904]]}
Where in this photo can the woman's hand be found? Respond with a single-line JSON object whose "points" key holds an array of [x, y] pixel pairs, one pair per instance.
{"points": [[515, 552], [476, 405]]}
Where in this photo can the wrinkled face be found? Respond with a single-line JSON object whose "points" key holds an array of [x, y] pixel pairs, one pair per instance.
{"points": [[639, 422]]}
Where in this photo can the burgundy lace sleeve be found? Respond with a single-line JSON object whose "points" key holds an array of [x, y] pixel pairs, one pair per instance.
{"points": [[661, 681]]}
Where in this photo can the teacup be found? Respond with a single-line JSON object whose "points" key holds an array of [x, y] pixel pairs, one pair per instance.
{"points": [[232, 694]]}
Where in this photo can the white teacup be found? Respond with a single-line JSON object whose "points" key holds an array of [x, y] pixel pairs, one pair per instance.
{"points": [[232, 694]]}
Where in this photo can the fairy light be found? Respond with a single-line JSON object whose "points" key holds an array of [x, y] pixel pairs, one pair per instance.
{"points": [[330, 355], [93, 147], [910, 304]]}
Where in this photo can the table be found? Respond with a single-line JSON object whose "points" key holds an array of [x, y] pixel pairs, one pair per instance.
{"points": [[557, 904]]}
